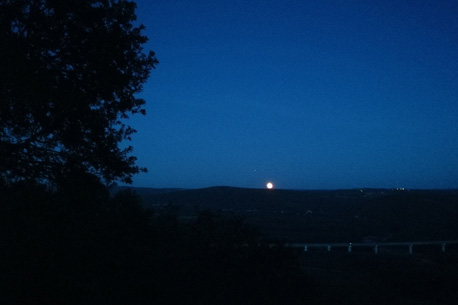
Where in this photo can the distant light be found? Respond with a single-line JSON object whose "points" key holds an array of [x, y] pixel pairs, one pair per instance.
{"points": [[270, 185]]}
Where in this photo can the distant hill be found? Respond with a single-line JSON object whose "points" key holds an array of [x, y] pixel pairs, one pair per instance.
{"points": [[144, 191], [323, 215]]}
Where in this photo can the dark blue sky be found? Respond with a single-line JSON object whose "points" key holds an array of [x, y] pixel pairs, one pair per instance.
{"points": [[306, 94]]}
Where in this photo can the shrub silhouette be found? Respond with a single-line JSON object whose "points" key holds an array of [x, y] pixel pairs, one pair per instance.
{"points": [[81, 246]]}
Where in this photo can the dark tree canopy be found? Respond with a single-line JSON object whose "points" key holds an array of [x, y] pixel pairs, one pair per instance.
{"points": [[69, 72]]}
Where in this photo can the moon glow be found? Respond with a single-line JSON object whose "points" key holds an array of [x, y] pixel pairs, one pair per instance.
{"points": [[269, 185]]}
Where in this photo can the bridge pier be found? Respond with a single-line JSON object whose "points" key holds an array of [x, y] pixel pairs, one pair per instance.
{"points": [[410, 249], [376, 249], [443, 247]]}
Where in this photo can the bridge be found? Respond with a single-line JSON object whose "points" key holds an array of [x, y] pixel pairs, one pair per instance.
{"points": [[375, 245]]}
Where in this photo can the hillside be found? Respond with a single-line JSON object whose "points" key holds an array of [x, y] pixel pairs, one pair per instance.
{"points": [[324, 215]]}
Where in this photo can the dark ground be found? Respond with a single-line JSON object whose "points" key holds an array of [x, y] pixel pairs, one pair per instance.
{"points": [[324, 216], [392, 277], [365, 278], [85, 247]]}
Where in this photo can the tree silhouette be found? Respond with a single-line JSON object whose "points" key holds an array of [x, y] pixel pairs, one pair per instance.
{"points": [[69, 72]]}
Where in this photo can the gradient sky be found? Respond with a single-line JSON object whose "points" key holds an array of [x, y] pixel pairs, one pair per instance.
{"points": [[306, 94]]}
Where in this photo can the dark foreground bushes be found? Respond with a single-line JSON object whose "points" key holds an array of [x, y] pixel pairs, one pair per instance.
{"points": [[78, 245]]}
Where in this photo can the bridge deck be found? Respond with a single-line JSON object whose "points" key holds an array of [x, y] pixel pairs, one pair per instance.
{"points": [[375, 245]]}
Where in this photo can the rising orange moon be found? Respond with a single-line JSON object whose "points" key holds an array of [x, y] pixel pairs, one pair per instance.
{"points": [[269, 185]]}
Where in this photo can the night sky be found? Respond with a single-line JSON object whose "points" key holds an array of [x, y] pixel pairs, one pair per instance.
{"points": [[306, 94]]}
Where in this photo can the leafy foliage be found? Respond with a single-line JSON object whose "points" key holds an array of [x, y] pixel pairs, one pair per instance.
{"points": [[69, 71]]}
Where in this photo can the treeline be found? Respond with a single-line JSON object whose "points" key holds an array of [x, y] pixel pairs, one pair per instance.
{"points": [[81, 245], [328, 216]]}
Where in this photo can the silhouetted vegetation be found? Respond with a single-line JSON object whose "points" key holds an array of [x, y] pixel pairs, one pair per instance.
{"points": [[85, 247], [69, 72]]}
